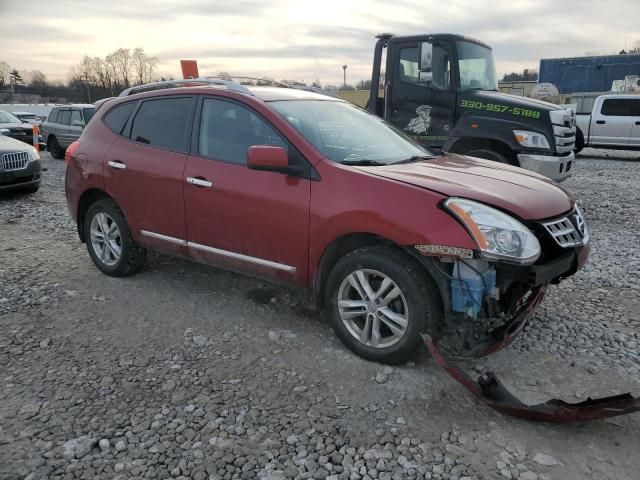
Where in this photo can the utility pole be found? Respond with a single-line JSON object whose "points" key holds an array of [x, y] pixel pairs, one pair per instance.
{"points": [[344, 70]]}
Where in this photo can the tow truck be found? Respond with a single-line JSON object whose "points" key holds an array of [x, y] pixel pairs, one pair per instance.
{"points": [[441, 90]]}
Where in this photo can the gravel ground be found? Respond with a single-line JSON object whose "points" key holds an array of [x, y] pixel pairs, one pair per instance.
{"points": [[185, 371]]}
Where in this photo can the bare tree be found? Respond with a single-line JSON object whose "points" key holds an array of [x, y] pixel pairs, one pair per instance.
{"points": [[122, 61], [143, 66]]}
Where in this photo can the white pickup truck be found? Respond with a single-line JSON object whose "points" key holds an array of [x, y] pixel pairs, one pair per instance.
{"points": [[613, 123]]}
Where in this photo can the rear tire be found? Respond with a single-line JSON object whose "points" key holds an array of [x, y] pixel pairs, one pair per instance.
{"points": [[109, 240], [374, 327], [54, 148]]}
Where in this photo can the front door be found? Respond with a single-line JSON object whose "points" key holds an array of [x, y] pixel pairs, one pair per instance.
{"points": [[422, 109], [612, 125], [254, 222], [144, 171]]}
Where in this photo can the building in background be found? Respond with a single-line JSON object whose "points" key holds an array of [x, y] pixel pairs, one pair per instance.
{"points": [[588, 74]]}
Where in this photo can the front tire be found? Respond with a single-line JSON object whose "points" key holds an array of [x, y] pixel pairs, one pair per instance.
{"points": [[109, 240], [379, 300]]}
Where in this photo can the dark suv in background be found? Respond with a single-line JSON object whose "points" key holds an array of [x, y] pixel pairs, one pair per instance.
{"points": [[64, 126]]}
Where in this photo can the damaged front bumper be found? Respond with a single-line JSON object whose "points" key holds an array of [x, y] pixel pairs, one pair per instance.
{"points": [[493, 393]]}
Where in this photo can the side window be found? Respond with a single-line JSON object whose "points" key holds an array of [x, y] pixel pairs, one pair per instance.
{"points": [[635, 107], [53, 116], [117, 117], [227, 130], [409, 67], [162, 123], [76, 118], [65, 117], [616, 107]]}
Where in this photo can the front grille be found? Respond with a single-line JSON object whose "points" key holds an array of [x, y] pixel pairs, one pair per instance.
{"points": [[569, 231], [564, 129], [10, 162]]}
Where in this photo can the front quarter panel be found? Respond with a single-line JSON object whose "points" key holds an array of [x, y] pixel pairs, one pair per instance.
{"points": [[349, 200]]}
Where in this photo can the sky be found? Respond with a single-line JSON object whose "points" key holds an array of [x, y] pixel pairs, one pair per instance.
{"points": [[301, 40]]}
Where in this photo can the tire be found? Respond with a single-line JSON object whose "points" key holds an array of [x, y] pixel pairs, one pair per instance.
{"points": [[54, 148], [579, 141], [101, 217], [418, 303], [488, 155]]}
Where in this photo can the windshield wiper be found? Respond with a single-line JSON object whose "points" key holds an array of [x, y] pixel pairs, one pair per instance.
{"points": [[363, 162], [415, 158]]}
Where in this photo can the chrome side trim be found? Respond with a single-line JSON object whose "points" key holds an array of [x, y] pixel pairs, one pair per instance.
{"points": [[166, 238], [244, 258], [217, 251]]}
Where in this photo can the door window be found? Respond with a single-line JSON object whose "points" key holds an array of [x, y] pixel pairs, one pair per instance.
{"points": [[617, 107], [409, 67], [65, 117], [163, 123], [228, 129], [53, 116], [76, 119]]}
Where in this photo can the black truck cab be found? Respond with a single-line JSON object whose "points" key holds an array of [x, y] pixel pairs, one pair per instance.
{"points": [[442, 90]]}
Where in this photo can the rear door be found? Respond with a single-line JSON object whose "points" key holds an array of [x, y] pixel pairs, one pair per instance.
{"points": [[634, 140], [144, 169], [612, 124], [423, 110], [61, 127], [254, 222]]}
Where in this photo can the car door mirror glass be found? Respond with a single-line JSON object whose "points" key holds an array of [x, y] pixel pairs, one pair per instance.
{"points": [[426, 55], [425, 77]]}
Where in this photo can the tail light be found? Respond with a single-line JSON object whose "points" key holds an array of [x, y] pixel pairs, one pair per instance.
{"points": [[70, 154]]}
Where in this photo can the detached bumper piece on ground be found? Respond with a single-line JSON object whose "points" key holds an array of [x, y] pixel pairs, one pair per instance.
{"points": [[493, 393]]}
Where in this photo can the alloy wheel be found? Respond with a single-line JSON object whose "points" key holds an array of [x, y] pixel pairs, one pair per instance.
{"points": [[105, 239], [373, 308]]}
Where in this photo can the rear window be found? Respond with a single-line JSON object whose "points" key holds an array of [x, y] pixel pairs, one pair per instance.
{"points": [[65, 117], [617, 107], [117, 117], [53, 116], [162, 123]]}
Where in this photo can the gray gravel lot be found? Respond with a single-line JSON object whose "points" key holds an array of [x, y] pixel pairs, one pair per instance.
{"points": [[185, 371]]}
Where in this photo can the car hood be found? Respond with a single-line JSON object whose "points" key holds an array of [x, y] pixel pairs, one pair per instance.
{"points": [[526, 194], [9, 145], [525, 102]]}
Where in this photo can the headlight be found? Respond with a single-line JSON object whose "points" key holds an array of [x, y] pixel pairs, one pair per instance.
{"points": [[33, 154], [531, 139], [498, 236]]}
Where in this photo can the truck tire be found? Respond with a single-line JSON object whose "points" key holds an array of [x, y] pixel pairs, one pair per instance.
{"points": [[109, 240], [579, 141], [488, 155], [54, 148], [384, 327]]}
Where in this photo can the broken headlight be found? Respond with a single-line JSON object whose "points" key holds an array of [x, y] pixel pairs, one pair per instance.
{"points": [[498, 236]]}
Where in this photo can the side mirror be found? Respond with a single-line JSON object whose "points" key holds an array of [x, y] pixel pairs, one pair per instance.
{"points": [[426, 54], [269, 158]]}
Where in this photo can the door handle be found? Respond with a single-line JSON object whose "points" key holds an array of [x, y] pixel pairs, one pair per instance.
{"points": [[117, 164], [199, 182], [600, 122]]}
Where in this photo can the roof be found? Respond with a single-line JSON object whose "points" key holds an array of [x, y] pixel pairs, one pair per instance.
{"points": [[76, 105], [24, 113], [269, 94]]}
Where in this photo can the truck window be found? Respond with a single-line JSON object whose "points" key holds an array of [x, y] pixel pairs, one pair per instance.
{"points": [[65, 117], [617, 107], [409, 71], [162, 123], [53, 116], [76, 118], [477, 69]]}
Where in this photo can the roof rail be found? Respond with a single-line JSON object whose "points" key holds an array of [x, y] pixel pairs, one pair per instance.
{"points": [[189, 82]]}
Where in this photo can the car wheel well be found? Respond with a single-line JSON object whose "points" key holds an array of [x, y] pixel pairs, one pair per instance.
{"points": [[337, 249], [467, 144], [87, 199]]}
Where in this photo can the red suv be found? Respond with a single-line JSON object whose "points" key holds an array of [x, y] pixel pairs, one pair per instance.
{"points": [[309, 190]]}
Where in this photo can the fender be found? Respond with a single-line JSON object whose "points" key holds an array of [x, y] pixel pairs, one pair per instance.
{"points": [[488, 128]]}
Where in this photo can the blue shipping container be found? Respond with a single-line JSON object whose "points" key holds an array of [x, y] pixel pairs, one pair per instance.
{"points": [[588, 74]]}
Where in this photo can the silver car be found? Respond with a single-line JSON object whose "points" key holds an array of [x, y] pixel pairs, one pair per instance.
{"points": [[64, 125]]}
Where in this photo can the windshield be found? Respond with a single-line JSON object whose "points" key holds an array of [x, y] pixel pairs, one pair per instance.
{"points": [[477, 70], [347, 134], [6, 117], [88, 113]]}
